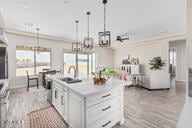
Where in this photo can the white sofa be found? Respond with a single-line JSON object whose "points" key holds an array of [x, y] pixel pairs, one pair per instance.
{"points": [[157, 79]]}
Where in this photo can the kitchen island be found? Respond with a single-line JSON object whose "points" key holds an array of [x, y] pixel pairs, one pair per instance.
{"points": [[85, 105]]}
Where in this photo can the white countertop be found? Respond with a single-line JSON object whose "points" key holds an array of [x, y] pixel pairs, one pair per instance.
{"points": [[87, 87], [185, 120]]}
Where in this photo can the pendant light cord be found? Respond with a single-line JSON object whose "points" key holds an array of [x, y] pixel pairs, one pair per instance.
{"points": [[76, 30], [88, 13], [38, 37], [104, 17]]}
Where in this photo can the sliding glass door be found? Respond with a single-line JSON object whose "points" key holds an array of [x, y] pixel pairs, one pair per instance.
{"points": [[86, 62]]}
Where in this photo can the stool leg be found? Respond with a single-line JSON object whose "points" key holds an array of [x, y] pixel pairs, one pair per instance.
{"points": [[37, 83], [27, 85]]}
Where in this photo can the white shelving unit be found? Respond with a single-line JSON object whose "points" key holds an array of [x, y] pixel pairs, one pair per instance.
{"points": [[132, 69]]}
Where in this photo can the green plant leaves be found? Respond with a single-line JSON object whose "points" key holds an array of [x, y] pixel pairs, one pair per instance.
{"points": [[156, 63]]}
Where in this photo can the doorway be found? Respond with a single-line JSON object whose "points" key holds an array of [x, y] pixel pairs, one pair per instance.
{"points": [[177, 61], [172, 62]]}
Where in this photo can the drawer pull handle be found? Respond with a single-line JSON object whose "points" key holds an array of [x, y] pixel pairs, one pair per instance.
{"points": [[106, 124], [106, 108], [106, 96], [62, 100]]}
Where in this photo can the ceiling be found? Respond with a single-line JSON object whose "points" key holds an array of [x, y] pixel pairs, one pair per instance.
{"points": [[139, 19]]}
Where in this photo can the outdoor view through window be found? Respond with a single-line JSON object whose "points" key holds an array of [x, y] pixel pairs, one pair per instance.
{"points": [[86, 62], [28, 59]]}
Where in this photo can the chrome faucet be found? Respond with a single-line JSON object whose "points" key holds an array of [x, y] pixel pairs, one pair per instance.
{"points": [[75, 71]]}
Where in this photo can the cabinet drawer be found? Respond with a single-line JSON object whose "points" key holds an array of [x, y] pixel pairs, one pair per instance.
{"points": [[59, 86], [95, 99], [107, 121], [102, 109]]}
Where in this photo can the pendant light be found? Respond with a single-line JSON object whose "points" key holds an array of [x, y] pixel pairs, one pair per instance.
{"points": [[77, 46], [105, 36], [88, 42]]}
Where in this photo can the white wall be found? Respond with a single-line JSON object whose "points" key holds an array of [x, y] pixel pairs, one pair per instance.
{"points": [[145, 51], [189, 40], [104, 56], [189, 33], [181, 59]]}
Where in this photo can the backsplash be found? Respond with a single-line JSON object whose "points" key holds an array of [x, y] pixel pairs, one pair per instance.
{"points": [[190, 82]]}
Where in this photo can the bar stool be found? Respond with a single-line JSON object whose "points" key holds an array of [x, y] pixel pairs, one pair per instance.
{"points": [[31, 78]]}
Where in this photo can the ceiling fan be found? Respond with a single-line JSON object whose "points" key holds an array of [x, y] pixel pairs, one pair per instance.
{"points": [[121, 39]]}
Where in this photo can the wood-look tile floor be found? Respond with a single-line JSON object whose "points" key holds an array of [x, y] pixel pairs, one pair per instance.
{"points": [[142, 108]]}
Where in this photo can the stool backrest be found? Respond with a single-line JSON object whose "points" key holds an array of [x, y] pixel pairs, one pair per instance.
{"points": [[27, 74]]}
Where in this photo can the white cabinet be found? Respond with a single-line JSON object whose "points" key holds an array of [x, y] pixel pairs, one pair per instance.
{"points": [[101, 110], [59, 99]]}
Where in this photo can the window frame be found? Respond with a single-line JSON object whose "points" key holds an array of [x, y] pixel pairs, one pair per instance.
{"points": [[83, 52], [30, 48]]}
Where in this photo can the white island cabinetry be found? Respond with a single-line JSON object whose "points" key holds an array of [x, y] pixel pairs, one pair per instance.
{"points": [[59, 99], [85, 105]]}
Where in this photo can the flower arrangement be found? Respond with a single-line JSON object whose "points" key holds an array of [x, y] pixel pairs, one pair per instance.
{"points": [[100, 76]]}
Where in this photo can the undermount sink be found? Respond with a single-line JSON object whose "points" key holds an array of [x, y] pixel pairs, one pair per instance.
{"points": [[69, 80]]}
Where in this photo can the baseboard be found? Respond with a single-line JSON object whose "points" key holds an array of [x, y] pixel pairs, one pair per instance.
{"points": [[21, 86], [182, 81]]}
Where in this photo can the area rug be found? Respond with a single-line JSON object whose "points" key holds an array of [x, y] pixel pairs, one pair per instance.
{"points": [[45, 118]]}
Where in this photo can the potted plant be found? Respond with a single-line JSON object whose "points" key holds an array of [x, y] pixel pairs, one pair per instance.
{"points": [[156, 63], [100, 78], [158, 78], [109, 72]]}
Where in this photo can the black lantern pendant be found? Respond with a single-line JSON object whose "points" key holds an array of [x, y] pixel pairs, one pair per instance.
{"points": [[77, 46], [105, 36], [88, 42]]}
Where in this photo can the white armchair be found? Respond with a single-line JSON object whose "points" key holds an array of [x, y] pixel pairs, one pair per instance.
{"points": [[158, 79]]}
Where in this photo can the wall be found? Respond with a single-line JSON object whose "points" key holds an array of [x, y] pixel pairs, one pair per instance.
{"points": [[145, 50], [56, 46], [189, 44], [181, 59]]}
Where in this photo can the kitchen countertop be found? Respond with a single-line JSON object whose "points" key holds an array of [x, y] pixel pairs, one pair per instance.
{"points": [[87, 87], [186, 115]]}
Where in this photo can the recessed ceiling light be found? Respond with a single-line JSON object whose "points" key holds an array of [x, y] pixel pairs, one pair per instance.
{"points": [[28, 24], [64, 1], [129, 34], [24, 5], [163, 32]]}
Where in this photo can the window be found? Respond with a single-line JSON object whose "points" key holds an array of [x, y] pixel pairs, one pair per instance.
{"points": [[28, 59], [86, 62], [42, 61]]}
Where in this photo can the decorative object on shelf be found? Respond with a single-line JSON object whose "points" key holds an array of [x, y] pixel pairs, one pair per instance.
{"points": [[134, 61], [126, 59], [77, 46], [156, 63], [88, 41], [105, 36]]}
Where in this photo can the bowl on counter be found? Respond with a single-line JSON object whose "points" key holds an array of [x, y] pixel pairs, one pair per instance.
{"points": [[99, 81]]}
